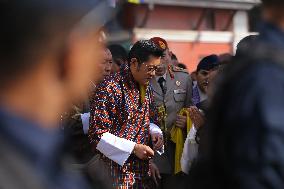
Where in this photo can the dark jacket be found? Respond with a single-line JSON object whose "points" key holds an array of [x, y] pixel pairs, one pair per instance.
{"points": [[33, 157], [243, 143]]}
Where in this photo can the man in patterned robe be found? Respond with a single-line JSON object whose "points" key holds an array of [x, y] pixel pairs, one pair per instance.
{"points": [[122, 122]]}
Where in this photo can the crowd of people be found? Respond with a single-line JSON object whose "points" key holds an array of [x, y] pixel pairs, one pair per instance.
{"points": [[78, 113]]}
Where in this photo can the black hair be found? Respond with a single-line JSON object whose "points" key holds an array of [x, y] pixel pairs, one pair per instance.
{"points": [[174, 57], [181, 65], [142, 50], [118, 52]]}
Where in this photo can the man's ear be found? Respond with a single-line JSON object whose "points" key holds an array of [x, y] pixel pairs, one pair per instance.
{"points": [[134, 62]]}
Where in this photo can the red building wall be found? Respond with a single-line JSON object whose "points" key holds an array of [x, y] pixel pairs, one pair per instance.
{"points": [[191, 53], [187, 18]]}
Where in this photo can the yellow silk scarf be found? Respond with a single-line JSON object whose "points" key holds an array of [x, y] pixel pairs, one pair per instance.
{"points": [[142, 93], [178, 138]]}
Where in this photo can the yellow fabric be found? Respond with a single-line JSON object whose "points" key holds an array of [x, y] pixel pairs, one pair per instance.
{"points": [[134, 1], [178, 139], [162, 115], [142, 93]]}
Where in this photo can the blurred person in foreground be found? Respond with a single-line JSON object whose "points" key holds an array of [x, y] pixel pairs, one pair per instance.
{"points": [[45, 46], [172, 93], [244, 138], [225, 58], [123, 120], [119, 56]]}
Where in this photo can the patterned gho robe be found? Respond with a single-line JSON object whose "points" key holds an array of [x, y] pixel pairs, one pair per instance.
{"points": [[116, 108]]}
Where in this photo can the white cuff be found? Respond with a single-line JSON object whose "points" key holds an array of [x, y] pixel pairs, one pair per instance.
{"points": [[190, 150], [85, 121], [115, 148], [155, 129], [192, 133]]}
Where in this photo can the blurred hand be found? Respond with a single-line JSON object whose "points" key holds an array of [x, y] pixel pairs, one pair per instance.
{"points": [[181, 121], [157, 140], [196, 116], [155, 173], [143, 152]]}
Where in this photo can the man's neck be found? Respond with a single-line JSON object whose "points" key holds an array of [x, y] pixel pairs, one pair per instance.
{"points": [[202, 95]]}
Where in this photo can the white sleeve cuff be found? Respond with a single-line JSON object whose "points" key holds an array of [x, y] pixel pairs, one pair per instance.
{"points": [[155, 129], [192, 133], [85, 121], [115, 148], [190, 151]]}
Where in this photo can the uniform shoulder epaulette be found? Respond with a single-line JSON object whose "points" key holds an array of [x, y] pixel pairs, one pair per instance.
{"points": [[178, 69]]}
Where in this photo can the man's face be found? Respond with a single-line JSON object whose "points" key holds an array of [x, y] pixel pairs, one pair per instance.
{"points": [[146, 71], [107, 62], [161, 70], [166, 59], [104, 67], [205, 77], [202, 77]]}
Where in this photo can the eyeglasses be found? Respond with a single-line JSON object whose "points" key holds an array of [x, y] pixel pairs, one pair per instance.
{"points": [[151, 68]]}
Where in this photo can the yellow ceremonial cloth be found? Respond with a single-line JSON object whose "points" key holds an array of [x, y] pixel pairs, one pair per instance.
{"points": [[142, 93], [134, 1], [178, 138]]}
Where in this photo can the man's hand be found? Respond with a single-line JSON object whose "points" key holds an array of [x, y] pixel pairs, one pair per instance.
{"points": [[143, 152], [155, 173], [157, 140], [196, 116], [181, 121]]}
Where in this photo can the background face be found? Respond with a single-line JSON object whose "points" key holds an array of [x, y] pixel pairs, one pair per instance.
{"points": [[161, 69], [107, 62], [166, 59], [203, 80]]}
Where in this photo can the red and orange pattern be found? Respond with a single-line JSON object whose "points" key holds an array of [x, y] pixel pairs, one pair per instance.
{"points": [[116, 108]]}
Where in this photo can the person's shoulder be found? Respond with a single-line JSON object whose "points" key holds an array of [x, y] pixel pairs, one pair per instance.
{"points": [[181, 74], [268, 72], [109, 83], [177, 69]]}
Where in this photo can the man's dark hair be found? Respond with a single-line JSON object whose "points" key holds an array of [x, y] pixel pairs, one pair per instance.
{"points": [[174, 57], [181, 65], [118, 52], [142, 50], [208, 63]]}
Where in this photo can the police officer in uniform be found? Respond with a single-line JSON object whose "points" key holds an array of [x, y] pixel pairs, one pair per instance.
{"points": [[172, 89]]}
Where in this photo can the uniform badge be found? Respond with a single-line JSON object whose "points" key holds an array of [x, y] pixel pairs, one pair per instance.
{"points": [[162, 45], [178, 83]]}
